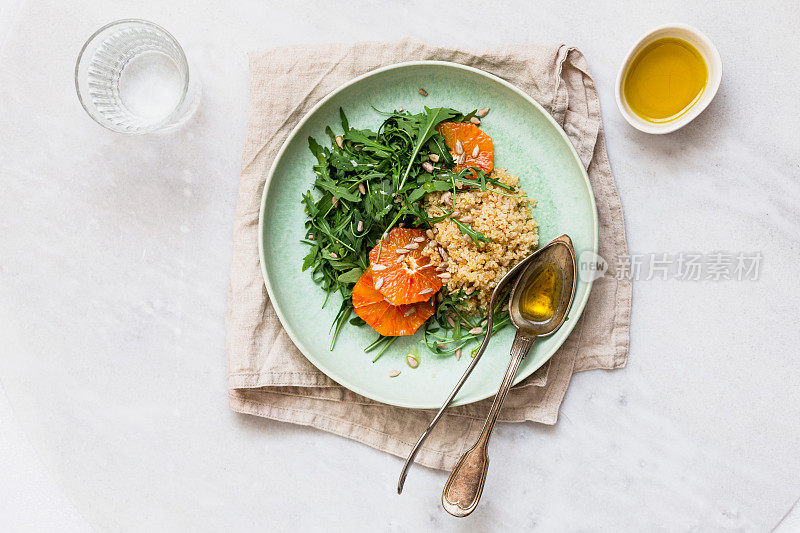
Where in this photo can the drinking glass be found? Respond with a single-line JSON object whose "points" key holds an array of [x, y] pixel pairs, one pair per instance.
{"points": [[132, 77]]}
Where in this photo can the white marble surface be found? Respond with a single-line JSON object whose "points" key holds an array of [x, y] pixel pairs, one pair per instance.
{"points": [[114, 254]]}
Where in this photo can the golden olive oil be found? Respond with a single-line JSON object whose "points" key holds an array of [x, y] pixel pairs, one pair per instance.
{"points": [[539, 299], [665, 79]]}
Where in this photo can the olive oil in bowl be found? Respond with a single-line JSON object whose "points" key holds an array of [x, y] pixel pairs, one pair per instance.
{"points": [[665, 79]]}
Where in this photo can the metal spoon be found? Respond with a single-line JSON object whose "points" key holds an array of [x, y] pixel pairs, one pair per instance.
{"points": [[496, 294], [465, 485], [493, 301]]}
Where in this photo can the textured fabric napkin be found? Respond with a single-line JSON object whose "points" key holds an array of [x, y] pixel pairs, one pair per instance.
{"points": [[267, 374]]}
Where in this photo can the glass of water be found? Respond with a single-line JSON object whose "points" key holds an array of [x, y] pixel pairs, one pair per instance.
{"points": [[132, 77]]}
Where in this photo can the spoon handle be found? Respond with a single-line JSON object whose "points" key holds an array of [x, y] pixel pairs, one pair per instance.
{"points": [[465, 485], [467, 372]]}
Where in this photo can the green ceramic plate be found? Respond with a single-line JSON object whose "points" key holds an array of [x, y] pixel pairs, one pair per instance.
{"points": [[527, 142]]}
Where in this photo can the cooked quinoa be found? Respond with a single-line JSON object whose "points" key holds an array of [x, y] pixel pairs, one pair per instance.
{"points": [[506, 220]]}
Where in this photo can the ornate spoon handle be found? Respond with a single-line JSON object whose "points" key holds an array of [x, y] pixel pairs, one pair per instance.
{"points": [[465, 485]]}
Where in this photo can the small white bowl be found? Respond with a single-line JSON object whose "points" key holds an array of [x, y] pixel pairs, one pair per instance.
{"points": [[713, 62]]}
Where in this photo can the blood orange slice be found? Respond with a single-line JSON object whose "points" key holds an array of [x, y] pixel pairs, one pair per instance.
{"points": [[402, 274], [383, 317], [477, 148]]}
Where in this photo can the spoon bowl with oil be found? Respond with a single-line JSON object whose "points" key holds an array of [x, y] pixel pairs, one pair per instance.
{"points": [[538, 305]]}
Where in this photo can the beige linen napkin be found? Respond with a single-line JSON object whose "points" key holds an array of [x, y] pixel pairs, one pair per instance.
{"points": [[267, 374]]}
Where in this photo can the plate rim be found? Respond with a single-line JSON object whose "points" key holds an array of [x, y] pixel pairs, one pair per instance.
{"points": [[577, 306]]}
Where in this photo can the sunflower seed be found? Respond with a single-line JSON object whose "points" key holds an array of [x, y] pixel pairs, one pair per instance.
{"points": [[378, 268], [451, 321], [394, 373], [401, 251], [379, 284], [425, 291], [412, 246], [423, 92], [418, 239], [410, 311], [412, 362], [360, 226], [441, 345], [428, 167], [459, 147], [434, 157], [333, 255], [443, 253], [399, 109], [462, 158], [339, 141], [476, 331], [476, 151], [458, 354], [466, 219], [361, 188], [475, 120], [433, 242], [334, 202], [429, 233], [444, 275], [482, 112], [469, 290], [439, 297], [446, 198]]}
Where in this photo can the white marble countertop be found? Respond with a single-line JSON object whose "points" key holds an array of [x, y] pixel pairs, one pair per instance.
{"points": [[114, 256]]}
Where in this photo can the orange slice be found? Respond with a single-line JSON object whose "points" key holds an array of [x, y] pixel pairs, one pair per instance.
{"points": [[383, 317], [402, 274], [470, 137]]}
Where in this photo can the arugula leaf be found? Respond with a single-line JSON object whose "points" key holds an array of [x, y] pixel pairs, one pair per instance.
{"points": [[317, 150], [338, 191], [351, 276], [432, 118], [472, 233]]}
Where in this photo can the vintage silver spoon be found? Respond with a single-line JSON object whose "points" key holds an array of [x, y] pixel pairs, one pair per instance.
{"points": [[499, 290], [556, 260]]}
